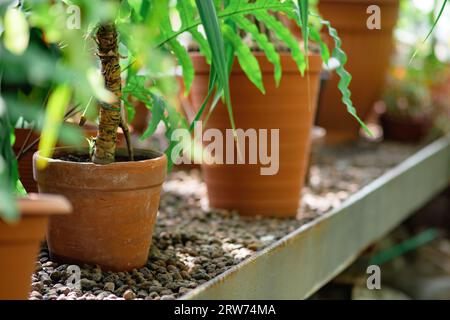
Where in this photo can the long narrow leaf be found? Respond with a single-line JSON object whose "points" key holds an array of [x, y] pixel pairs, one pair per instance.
{"points": [[56, 107], [345, 77], [186, 11], [247, 60], [284, 35], [441, 11], [211, 25], [263, 43]]}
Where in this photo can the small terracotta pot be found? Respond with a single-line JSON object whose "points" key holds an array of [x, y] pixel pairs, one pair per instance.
{"points": [[26, 161], [405, 129], [20, 243], [368, 52], [241, 186], [115, 208]]}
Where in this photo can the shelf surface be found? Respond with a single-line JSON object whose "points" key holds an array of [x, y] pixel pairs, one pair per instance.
{"points": [[303, 261]]}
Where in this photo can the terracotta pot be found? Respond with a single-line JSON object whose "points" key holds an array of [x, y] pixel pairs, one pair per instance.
{"points": [[115, 208], [241, 186], [405, 129], [368, 52], [26, 161], [140, 121], [20, 243]]}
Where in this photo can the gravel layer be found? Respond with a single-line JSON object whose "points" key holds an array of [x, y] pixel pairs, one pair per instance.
{"points": [[193, 244]]}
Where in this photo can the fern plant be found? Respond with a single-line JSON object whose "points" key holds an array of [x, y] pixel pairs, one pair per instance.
{"points": [[248, 16]]}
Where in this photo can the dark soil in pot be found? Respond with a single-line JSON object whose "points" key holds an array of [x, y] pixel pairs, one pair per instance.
{"points": [[115, 207], [26, 161], [405, 129]]}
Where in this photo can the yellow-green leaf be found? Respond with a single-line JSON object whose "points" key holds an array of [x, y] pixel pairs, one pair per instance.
{"points": [[16, 34], [56, 106]]}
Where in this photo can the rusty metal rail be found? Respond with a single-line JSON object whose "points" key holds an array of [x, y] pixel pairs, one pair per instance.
{"points": [[305, 260]]}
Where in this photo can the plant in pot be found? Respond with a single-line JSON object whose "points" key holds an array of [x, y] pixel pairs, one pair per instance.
{"points": [[407, 116], [273, 113], [28, 94], [413, 105], [369, 48], [23, 218], [115, 192]]}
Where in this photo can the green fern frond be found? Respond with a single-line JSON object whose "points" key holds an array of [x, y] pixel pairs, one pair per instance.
{"points": [[247, 60], [284, 35], [181, 54], [236, 7], [263, 43], [345, 76], [186, 11]]}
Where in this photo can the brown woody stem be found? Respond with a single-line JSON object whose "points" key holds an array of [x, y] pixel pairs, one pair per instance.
{"points": [[110, 118], [126, 133]]}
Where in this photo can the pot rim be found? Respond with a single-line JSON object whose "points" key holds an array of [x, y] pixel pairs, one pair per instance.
{"points": [[159, 156], [118, 176], [288, 65], [34, 204]]}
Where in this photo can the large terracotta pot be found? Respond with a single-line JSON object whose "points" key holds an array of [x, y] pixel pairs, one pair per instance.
{"points": [[241, 186], [368, 52], [25, 163], [115, 208], [20, 243]]}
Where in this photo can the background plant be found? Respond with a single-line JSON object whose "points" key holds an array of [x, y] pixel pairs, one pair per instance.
{"points": [[420, 72]]}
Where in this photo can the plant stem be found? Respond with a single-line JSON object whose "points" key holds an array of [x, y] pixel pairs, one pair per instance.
{"points": [[126, 133], [110, 117]]}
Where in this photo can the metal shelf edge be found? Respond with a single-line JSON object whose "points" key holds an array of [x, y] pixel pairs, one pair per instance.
{"points": [[306, 259]]}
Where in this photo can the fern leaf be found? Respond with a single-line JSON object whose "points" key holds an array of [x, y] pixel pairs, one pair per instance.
{"points": [[185, 62], [181, 54], [247, 60], [263, 43], [236, 7], [345, 76], [284, 35], [324, 51], [186, 11]]}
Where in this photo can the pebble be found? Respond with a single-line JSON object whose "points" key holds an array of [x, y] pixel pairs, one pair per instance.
{"points": [[87, 284], [183, 290], [129, 295], [109, 286], [36, 294]]}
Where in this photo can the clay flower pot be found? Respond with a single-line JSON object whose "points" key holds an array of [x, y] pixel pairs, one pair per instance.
{"points": [[405, 129], [368, 52], [20, 242], [26, 161], [115, 208], [241, 186]]}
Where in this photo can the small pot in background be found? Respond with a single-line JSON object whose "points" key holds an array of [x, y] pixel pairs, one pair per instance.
{"points": [[405, 129], [368, 51], [20, 242]]}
